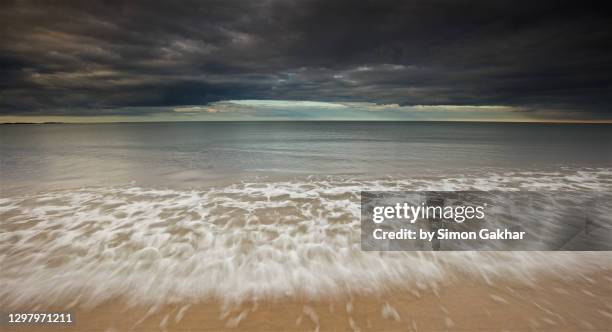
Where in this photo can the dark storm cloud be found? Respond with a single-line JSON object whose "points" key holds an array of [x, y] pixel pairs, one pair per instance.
{"points": [[60, 57]]}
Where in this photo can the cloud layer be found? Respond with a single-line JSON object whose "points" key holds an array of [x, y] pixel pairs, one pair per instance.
{"points": [[548, 60]]}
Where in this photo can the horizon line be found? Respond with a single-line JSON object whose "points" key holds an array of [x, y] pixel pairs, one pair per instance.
{"points": [[320, 120]]}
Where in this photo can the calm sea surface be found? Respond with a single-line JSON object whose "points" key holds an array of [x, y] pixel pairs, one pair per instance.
{"points": [[204, 154]]}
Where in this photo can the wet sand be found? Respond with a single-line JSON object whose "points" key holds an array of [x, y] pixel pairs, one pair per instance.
{"points": [[558, 303]]}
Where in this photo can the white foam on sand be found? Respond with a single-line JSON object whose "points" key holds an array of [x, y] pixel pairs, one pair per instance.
{"points": [[247, 241]]}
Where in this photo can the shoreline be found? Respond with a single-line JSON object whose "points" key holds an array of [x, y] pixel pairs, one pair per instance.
{"points": [[553, 303]]}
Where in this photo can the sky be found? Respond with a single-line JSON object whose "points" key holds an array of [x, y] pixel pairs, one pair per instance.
{"points": [[94, 61]]}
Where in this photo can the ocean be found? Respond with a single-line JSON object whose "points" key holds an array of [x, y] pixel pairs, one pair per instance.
{"points": [[239, 211], [201, 154]]}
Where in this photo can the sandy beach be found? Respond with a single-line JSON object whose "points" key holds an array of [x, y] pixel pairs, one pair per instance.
{"points": [[548, 303], [258, 257]]}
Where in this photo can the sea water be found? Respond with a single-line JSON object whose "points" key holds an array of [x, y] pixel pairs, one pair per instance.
{"points": [[164, 212]]}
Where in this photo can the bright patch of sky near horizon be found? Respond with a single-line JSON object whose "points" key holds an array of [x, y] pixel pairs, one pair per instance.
{"points": [[300, 110]]}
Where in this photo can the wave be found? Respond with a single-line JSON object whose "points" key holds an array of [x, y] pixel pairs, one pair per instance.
{"points": [[244, 242]]}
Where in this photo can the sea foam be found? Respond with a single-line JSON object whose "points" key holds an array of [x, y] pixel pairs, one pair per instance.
{"points": [[243, 242]]}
